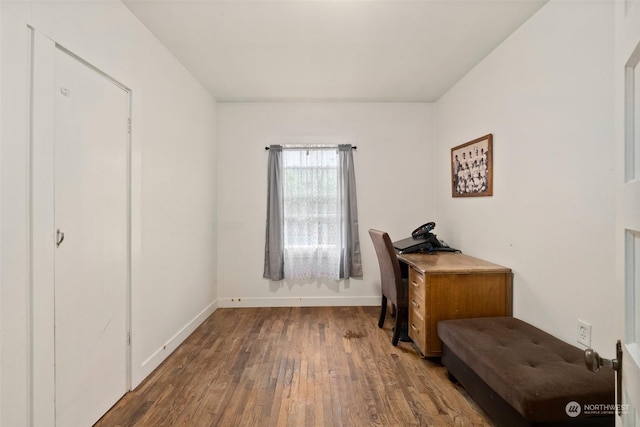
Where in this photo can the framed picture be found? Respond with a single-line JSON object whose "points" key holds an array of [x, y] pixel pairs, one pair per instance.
{"points": [[472, 168]]}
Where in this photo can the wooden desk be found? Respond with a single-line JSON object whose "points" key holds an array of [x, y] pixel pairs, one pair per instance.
{"points": [[446, 285]]}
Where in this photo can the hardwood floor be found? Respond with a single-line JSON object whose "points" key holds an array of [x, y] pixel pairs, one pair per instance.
{"points": [[302, 366]]}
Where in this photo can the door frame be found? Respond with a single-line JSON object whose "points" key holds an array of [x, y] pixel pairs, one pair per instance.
{"points": [[626, 56], [42, 304]]}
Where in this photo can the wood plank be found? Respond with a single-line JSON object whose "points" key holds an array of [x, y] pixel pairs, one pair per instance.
{"points": [[450, 262], [302, 366]]}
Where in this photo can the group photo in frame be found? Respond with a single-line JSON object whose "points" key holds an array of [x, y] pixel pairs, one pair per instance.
{"points": [[472, 168]]}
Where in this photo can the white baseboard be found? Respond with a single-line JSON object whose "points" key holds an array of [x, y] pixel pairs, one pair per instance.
{"points": [[300, 302], [163, 352]]}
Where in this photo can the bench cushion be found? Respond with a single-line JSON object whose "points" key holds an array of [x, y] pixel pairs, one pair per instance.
{"points": [[534, 372]]}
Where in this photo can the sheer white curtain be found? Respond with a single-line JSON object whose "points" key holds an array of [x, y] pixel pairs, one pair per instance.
{"points": [[312, 225], [311, 213]]}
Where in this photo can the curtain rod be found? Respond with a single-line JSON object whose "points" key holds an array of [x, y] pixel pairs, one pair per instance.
{"points": [[300, 147]]}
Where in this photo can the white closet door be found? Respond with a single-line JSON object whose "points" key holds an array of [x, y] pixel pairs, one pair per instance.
{"points": [[91, 259]]}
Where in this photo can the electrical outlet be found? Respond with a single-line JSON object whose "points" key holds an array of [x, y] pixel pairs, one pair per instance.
{"points": [[584, 333]]}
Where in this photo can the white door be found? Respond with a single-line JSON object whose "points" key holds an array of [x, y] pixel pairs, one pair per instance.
{"points": [[91, 258], [627, 74]]}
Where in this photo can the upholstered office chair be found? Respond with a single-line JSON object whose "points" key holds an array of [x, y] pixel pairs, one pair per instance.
{"points": [[394, 286]]}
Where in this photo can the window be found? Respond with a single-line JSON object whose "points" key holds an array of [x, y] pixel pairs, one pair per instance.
{"points": [[312, 215]]}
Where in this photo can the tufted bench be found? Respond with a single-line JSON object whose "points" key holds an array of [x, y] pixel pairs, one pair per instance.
{"points": [[522, 376]]}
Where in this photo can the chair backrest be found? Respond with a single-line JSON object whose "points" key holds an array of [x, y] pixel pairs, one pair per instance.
{"points": [[390, 275]]}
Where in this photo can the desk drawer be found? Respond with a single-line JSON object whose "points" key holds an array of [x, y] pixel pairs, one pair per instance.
{"points": [[416, 283], [416, 304], [417, 329]]}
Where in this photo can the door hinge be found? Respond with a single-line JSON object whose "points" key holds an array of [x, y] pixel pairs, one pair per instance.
{"points": [[129, 126], [128, 338]]}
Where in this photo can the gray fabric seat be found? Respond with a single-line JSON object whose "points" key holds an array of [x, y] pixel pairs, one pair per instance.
{"points": [[531, 371]]}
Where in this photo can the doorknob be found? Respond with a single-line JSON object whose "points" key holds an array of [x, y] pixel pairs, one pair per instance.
{"points": [[59, 237], [594, 362]]}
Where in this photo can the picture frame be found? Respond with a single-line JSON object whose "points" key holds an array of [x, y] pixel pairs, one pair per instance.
{"points": [[472, 168]]}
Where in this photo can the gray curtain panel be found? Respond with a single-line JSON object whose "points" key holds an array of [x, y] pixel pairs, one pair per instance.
{"points": [[274, 239], [351, 262]]}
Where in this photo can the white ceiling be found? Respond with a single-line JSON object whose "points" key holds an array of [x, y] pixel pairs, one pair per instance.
{"points": [[331, 50]]}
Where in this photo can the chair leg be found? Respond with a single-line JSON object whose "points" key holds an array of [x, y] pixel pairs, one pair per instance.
{"points": [[401, 326], [383, 312], [396, 335]]}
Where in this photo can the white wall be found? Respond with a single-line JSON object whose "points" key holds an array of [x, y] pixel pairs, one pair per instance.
{"points": [[173, 196], [394, 189], [14, 222], [546, 94]]}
